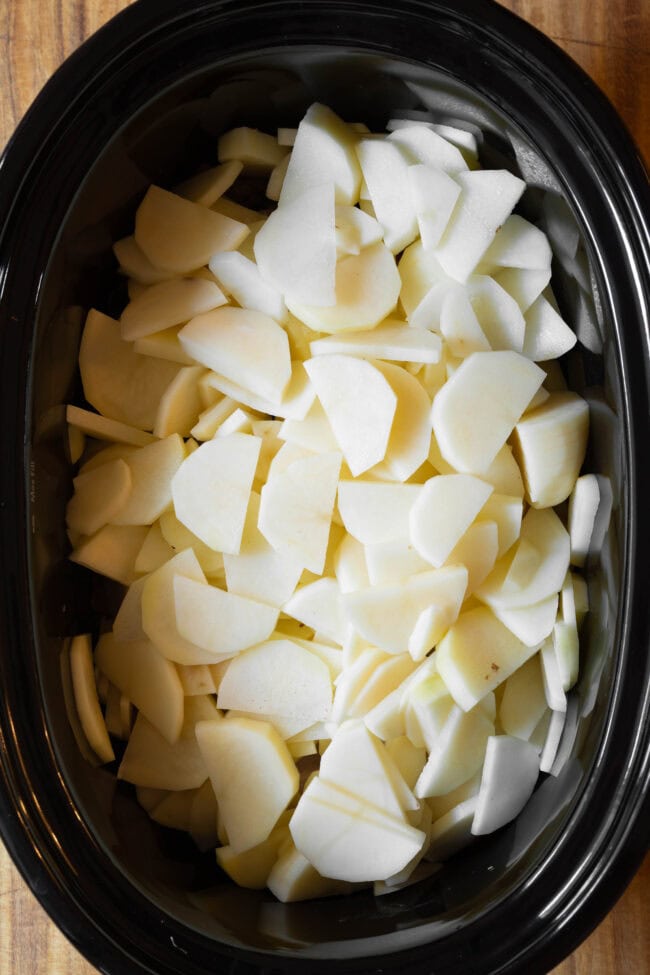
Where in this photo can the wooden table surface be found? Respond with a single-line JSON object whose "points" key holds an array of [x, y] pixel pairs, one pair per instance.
{"points": [[611, 40]]}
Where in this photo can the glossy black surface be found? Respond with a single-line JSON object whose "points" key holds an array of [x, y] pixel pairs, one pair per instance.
{"points": [[143, 101]]}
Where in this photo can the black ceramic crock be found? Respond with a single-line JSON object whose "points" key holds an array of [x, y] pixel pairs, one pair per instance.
{"points": [[143, 101]]}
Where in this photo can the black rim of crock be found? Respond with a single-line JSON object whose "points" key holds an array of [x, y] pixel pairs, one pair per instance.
{"points": [[70, 883]]}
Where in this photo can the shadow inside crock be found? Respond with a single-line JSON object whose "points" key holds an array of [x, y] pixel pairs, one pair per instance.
{"points": [[168, 140]]}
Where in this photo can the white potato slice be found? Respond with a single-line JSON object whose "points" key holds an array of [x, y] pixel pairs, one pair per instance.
{"points": [[180, 404], [506, 511], [518, 243], [98, 497], [391, 562], [147, 678], [151, 761], [457, 753], [181, 236], [159, 610], [169, 303], [389, 340], [276, 178], [550, 445], [219, 622], [152, 470], [111, 551], [409, 759], [504, 474], [498, 314], [359, 404], [127, 624], [387, 615], [256, 682], [434, 195], [443, 511], [313, 433], [242, 279], [426, 708], [486, 200], [258, 571], [253, 776], [296, 508], [424, 284], [552, 742], [344, 836], [295, 403], [174, 810], [356, 673], [546, 543], [356, 228], [422, 144], [477, 409], [212, 487], [103, 428], [567, 652], [459, 325], [318, 604], [553, 677], [523, 284], [477, 654], [293, 878], [453, 831], [358, 762], [86, 699], [196, 679], [523, 701], [136, 265], [213, 417], [385, 169], [477, 550], [386, 677], [163, 345], [547, 334], [349, 565], [178, 537], [531, 624], [255, 149], [410, 435], [323, 150], [117, 381], [206, 187], [367, 288], [386, 719], [251, 868], [375, 512], [584, 502], [509, 776], [247, 347], [295, 250]]}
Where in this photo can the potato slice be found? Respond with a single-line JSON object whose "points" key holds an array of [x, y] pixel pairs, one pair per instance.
{"points": [[583, 508], [523, 701], [181, 236], [86, 700], [360, 405], [547, 334], [477, 409], [387, 615], [486, 200], [163, 345], [151, 761], [445, 508], [147, 678], [323, 150], [509, 776], [376, 512], [452, 831], [166, 304], [518, 243], [434, 195], [256, 681], [550, 445], [343, 835], [477, 550], [180, 405], [391, 339], [367, 288], [111, 551], [99, 495], [410, 435], [253, 776], [206, 187], [122, 384], [219, 622], [103, 428], [155, 550], [295, 250], [241, 278], [152, 470], [296, 508], [211, 490], [457, 753], [136, 265], [178, 537], [251, 868], [253, 148], [477, 654], [293, 878]]}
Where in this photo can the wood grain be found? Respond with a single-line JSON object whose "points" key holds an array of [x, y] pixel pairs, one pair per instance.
{"points": [[610, 39]]}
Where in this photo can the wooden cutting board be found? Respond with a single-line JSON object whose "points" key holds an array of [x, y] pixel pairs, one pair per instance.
{"points": [[611, 40]]}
